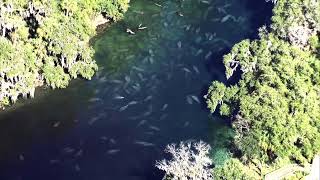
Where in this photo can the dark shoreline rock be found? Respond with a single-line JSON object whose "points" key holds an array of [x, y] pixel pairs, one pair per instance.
{"points": [[101, 22]]}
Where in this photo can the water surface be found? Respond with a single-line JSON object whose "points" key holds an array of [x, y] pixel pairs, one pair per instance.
{"points": [[147, 93]]}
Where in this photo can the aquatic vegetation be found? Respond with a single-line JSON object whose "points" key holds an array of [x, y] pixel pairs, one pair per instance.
{"points": [[147, 26], [47, 42], [275, 106], [222, 137]]}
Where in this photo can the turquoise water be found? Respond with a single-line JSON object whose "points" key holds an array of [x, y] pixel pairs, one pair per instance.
{"points": [[147, 93]]}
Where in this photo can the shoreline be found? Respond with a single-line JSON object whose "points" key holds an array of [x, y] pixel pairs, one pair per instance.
{"points": [[101, 23]]}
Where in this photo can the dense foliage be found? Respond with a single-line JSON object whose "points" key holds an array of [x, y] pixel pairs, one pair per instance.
{"points": [[275, 106], [47, 42]]}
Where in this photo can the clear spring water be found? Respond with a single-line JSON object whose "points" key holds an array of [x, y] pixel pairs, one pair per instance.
{"points": [[147, 93]]}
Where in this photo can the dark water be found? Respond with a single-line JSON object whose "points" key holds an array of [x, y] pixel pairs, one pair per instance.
{"points": [[144, 96]]}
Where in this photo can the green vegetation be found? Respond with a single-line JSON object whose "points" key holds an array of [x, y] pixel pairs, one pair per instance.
{"points": [[163, 26], [275, 106], [47, 42]]}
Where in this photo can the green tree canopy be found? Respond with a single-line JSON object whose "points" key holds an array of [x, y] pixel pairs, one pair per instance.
{"points": [[47, 42], [275, 106]]}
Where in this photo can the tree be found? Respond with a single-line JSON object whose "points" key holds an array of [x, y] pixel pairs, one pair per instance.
{"points": [[275, 107], [187, 163], [47, 42]]}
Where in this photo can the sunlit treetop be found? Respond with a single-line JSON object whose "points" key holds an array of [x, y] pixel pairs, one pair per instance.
{"points": [[275, 106], [47, 42]]}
